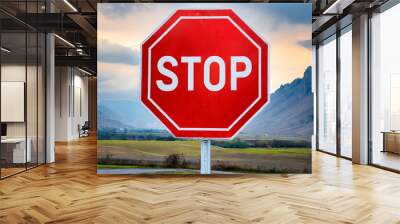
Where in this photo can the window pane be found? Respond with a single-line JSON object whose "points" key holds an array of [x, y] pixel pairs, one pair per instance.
{"points": [[327, 96], [346, 94], [13, 86], [41, 98], [31, 97], [385, 85], [23, 89]]}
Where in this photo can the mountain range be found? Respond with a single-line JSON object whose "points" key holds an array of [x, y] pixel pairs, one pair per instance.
{"points": [[289, 113]]}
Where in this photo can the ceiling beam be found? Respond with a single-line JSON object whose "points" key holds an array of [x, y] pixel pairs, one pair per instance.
{"points": [[77, 61], [338, 6], [84, 24]]}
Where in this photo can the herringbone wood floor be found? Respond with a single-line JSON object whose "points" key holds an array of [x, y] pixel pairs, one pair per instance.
{"points": [[69, 191]]}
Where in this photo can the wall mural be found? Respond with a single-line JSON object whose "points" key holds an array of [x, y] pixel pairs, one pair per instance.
{"points": [[210, 88]]}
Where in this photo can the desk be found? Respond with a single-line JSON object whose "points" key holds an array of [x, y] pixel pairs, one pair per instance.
{"points": [[391, 142], [19, 155]]}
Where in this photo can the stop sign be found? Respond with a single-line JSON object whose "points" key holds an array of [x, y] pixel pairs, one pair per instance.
{"points": [[204, 73]]}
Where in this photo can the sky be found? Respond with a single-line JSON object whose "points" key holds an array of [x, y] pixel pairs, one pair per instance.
{"points": [[122, 27]]}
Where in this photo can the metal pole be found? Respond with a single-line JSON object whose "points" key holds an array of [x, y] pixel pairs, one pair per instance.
{"points": [[205, 162]]}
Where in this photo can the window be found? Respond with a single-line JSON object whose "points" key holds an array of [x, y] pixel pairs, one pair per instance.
{"points": [[327, 95], [395, 102], [346, 92], [22, 77], [385, 89]]}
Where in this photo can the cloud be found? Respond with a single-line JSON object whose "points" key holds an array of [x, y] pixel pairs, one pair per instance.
{"points": [[115, 53], [305, 43], [293, 13], [285, 26], [118, 80], [275, 17], [290, 13], [131, 29], [118, 10]]}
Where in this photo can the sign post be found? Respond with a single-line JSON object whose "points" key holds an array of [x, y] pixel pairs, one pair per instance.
{"points": [[205, 157], [202, 59]]}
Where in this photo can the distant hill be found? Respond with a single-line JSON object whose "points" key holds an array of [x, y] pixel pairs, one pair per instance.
{"points": [[121, 114], [108, 119], [289, 114]]}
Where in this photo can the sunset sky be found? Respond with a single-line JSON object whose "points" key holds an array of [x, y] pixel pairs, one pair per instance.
{"points": [[122, 27]]}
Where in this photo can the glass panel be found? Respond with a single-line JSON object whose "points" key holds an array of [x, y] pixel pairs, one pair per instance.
{"points": [[77, 110], [13, 87], [327, 96], [385, 83], [346, 93], [2, 161], [394, 102], [31, 86], [41, 98], [22, 90], [31, 100]]}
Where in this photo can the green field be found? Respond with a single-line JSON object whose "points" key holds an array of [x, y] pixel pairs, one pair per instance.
{"points": [[191, 148], [154, 153], [115, 166]]}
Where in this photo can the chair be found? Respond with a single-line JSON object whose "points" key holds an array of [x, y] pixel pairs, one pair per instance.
{"points": [[84, 130]]}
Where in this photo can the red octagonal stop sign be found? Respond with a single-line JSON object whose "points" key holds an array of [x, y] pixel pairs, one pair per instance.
{"points": [[204, 73]]}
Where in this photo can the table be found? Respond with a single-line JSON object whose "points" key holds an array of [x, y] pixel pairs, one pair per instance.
{"points": [[16, 147]]}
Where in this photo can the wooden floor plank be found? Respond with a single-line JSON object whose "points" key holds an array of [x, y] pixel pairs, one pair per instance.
{"points": [[70, 191]]}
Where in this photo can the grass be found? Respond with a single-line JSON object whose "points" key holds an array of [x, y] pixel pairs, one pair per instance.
{"points": [[153, 153], [114, 166], [155, 148], [192, 148], [267, 151]]}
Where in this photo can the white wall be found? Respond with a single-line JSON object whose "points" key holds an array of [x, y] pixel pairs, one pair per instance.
{"points": [[62, 82], [80, 109], [33, 126], [16, 73], [71, 102], [13, 101]]}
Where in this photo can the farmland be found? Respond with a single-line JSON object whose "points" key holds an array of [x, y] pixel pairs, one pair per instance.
{"points": [[153, 153]]}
